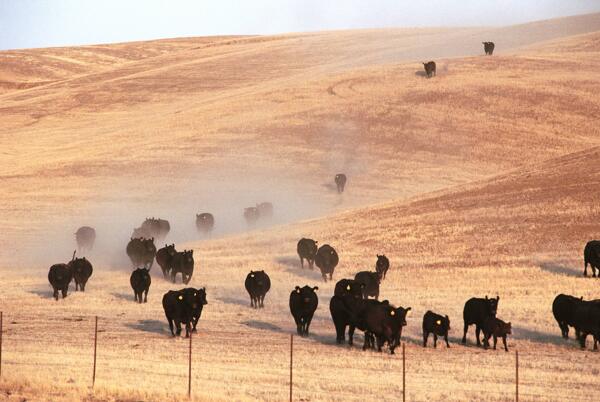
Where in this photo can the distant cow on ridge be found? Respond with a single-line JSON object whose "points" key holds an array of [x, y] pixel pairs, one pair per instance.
{"points": [[429, 68], [488, 47], [251, 215], [340, 182], [265, 210], [307, 250], [85, 238]]}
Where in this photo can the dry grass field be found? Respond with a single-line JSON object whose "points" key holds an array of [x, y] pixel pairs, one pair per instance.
{"points": [[482, 180]]}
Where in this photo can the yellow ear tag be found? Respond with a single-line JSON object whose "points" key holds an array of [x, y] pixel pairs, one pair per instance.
{"points": [[180, 297], [348, 287], [297, 290], [195, 294], [439, 322], [392, 312], [252, 276]]}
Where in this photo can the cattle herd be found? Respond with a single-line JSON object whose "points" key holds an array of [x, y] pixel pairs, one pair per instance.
{"points": [[354, 305]]}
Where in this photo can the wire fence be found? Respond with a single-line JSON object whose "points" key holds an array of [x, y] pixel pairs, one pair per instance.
{"points": [[94, 351]]}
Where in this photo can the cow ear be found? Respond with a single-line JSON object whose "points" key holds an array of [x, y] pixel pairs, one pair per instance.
{"points": [[203, 289], [448, 318], [497, 297], [297, 288], [315, 288], [192, 252], [486, 297]]}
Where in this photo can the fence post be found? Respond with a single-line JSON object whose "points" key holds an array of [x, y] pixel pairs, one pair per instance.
{"points": [[0, 343], [95, 348], [517, 375], [190, 368], [403, 372], [291, 363]]}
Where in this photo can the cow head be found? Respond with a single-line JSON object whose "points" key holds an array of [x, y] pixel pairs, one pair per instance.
{"points": [[492, 305], [400, 314]]}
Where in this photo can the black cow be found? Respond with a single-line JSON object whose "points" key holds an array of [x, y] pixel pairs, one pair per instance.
{"points": [[85, 238], [326, 259], [198, 297], [382, 265], [183, 262], [429, 68], [591, 255], [476, 311], [437, 325], [140, 283], [371, 280], [347, 311], [488, 47], [563, 309], [158, 228], [179, 309], [59, 277], [307, 250], [340, 182], [384, 322], [303, 304], [251, 215], [587, 321], [81, 269], [205, 222], [265, 210], [141, 252], [164, 258], [349, 287], [495, 327], [257, 284]]}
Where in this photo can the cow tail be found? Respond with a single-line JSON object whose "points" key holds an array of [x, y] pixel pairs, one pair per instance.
{"points": [[73, 258]]}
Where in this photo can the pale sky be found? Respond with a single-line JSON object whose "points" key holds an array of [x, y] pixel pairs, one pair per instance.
{"points": [[43, 23]]}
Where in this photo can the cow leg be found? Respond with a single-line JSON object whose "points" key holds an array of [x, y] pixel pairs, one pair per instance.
{"points": [[145, 296], [340, 332], [187, 329], [351, 335], [64, 291], [380, 342], [171, 326], [486, 343], [302, 262], [311, 264], [446, 339], [298, 325], [425, 336], [464, 339], [307, 322], [495, 341], [178, 326], [504, 342], [83, 286], [434, 340], [324, 277], [56, 293], [331, 276], [366, 342], [585, 264], [477, 332]]}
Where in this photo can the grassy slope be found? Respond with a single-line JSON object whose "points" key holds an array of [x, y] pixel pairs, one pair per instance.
{"points": [[507, 143]]}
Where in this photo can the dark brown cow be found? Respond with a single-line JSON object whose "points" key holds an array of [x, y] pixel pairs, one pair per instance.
{"points": [[488, 47], [429, 68], [340, 182], [85, 238]]}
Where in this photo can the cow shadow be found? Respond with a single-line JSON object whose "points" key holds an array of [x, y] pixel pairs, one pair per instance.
{"points": [[123, 296], [46, 294], [152, 326], [420, 73], [265, 326], [292, 266], [537, 336], [559, 269], [233, 300], [330, 186]]}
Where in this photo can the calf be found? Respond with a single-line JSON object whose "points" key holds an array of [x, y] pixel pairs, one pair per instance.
{"points": [[436, 324], [257, 284], [476, 311], [303, 304], [382, 265], [563, 309], [496, 328], [81, 269], [164, 258], [307, 250], [385, 322], [371, 280], [140, 283], [60, 276]]}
